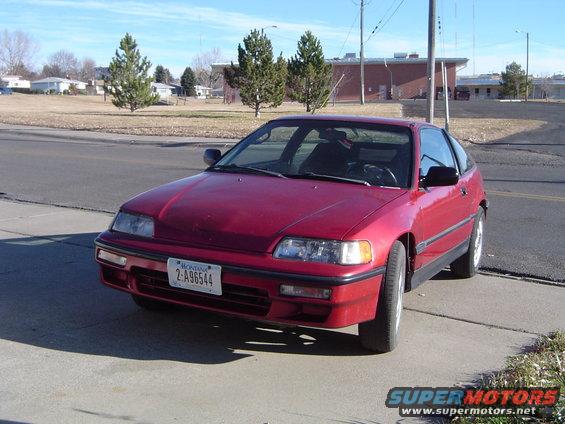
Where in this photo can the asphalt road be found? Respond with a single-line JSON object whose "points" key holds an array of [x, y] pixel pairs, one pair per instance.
{"points": [[526, 185]]}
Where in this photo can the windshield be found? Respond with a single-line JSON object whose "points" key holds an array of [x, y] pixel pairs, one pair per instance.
{"points": [[370, 154]]}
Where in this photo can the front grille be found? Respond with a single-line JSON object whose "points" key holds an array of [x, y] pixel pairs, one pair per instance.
{"points": [[234, 298]]}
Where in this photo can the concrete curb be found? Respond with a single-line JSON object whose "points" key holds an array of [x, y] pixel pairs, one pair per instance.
{"points": [[114, 138]]}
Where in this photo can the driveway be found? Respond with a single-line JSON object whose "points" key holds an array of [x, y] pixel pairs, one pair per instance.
{"points": [[72, 350]]}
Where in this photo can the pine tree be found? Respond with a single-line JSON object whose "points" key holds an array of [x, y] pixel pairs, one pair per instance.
{"points": [[514, 81], [309, 76], [162, 75], [261, 80], [159, 74], [129, 83], [188, 81]]}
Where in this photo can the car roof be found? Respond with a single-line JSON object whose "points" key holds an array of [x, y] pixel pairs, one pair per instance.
{"points": [[355, 118]]}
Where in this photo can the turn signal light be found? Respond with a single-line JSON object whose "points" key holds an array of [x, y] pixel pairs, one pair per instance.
{"points": [[112, 258]]}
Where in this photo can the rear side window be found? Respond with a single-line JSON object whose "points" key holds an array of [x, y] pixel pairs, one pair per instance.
{"points": [[434, 151], [463, 158]]}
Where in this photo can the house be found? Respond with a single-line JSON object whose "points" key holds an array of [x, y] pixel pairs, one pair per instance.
{"points": [[481, 87], [177, 89], [403, 76], [202, 92], [549, 88], [56, 84], [488, 86], [163, 90], [95, 87], [14, 81], [218, 92]]}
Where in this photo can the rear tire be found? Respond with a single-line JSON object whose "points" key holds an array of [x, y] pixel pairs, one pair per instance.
{"points": [[467, 265], [151, 304], [381, 334]]}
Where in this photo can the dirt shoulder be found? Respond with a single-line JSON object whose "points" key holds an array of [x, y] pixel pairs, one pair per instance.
{"points": [[471, 121]]}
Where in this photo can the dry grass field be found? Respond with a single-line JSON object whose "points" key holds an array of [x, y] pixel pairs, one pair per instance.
{"points": [[471, 121]]}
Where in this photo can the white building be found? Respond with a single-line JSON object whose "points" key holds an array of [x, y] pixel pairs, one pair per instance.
{"points": [[14, 81], [163, 90], [488, 86], [58, 85], [202, 92], [549, 88], [481, 87]]}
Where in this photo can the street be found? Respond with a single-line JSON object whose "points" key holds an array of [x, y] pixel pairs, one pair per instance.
{"points": [[525, 185]]}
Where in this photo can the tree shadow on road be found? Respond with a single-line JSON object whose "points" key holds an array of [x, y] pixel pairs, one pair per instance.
{"points": [[51, 297]]}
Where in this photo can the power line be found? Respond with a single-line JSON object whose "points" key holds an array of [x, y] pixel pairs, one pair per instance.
{"points": [[347, 38], [378, 23], [441, 21], [441, 36], [379, 28], [482, 46]]}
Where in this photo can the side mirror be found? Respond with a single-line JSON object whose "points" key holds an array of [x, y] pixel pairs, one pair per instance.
{"points": [[211, 156], [439, 176]]}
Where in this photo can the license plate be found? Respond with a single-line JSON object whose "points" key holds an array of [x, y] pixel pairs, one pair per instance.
{"points": [[197, 276]]}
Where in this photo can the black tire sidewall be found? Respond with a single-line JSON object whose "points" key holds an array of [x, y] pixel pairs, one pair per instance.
{"points": [[464, 267], [381, 333]]}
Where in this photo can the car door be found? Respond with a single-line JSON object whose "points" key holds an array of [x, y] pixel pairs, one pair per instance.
{"points": [[444, 211]]}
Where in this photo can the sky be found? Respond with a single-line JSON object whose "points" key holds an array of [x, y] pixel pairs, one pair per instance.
{"points": [[172, 32]]}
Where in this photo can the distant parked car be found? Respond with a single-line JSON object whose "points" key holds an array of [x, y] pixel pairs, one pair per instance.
{"points": [[322, 221], [5, 91], [462, 94]]}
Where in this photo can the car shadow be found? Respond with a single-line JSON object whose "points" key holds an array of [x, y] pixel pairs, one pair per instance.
{"points": [[51, 297]]}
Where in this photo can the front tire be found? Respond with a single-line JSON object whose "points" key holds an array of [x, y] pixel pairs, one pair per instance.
{"points": [[381, 334], [467, 265], [150, 304]]}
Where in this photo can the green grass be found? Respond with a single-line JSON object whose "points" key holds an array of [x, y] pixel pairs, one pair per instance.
{"points": [[542, 366]]}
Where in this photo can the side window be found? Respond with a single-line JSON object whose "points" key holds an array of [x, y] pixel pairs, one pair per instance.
{"points": [[305, 149], [267, 147], [434, 151], [465, 161]]}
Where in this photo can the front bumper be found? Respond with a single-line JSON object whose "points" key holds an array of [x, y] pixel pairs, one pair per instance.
{"points": [[248, 292]]}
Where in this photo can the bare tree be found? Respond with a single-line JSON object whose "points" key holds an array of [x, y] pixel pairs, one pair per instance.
{"points": [[546, 88], [86, 71], [64, 64], [342, 76], [17, 49], [51, 71], [202, 66]]}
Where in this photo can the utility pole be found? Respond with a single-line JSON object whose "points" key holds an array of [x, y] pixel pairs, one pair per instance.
{"points": [[431, 61], [445, 94], [362, 54], [391, 86], [527, 64]]}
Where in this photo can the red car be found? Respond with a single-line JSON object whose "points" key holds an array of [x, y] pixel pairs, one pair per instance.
{"points": [[322, 221]]}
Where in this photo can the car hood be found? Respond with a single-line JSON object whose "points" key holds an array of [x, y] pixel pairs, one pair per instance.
{"points": [[252, 212]]}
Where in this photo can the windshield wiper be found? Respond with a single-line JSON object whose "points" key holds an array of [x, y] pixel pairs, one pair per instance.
{"points": [[247, 169], [314, 176]]}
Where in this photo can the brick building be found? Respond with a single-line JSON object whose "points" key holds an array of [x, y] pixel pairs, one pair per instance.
{"points": [[401, 77], [406, 74]]}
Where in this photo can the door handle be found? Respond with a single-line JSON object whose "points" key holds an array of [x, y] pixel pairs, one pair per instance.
{"points": [[463, 191]]}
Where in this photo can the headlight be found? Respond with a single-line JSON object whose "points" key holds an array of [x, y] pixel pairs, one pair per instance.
{"points": [[328, 251], [138, 225]]}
